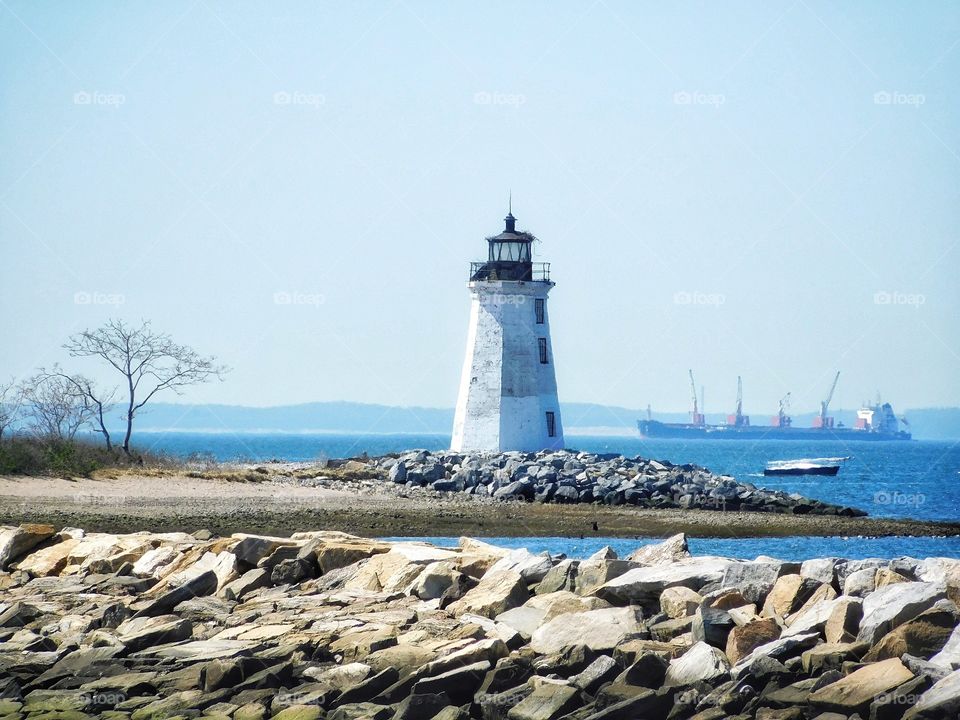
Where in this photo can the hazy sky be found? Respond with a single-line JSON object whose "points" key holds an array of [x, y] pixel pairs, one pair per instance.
{"points": [[718, 186]]}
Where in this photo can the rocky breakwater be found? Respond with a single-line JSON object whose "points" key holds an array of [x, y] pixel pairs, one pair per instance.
{"points": [[577, 477], [328, 625]]}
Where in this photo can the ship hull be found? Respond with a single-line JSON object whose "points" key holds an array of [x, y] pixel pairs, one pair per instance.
{"points": [[654, 429]]}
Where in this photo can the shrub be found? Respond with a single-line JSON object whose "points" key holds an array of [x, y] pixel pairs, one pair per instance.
{"points": [[31, 455]]}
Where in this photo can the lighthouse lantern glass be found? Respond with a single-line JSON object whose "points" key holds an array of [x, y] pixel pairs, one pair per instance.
{"points": [[509, 251]]}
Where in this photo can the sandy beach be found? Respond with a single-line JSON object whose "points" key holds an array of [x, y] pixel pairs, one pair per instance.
{"points": [[175, 501]]}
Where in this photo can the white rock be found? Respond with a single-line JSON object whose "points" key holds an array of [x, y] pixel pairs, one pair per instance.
{"points": [[644, 585], [671, 550], [814, 619], [860, 583], [700, 662], [597, 629], [152, 561], [949, 655], [531, 567], [525, 620]]}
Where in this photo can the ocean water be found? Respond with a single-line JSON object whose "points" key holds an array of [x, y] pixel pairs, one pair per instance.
{"points": [[783, 548], [917, 479]]}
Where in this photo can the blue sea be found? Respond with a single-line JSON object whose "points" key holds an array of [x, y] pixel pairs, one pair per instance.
{"points": [[917, 479]]}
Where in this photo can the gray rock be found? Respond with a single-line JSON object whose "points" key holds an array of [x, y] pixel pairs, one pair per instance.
{"points": [[754, 580], [888, 607], [940, 701]]}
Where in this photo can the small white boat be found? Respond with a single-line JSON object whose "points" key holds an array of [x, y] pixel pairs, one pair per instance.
{"points": [[805, 466]]}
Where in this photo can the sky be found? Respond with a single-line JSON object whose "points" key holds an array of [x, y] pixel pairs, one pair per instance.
{"points": [[763, 189]]}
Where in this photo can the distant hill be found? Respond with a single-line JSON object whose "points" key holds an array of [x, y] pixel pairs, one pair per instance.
{"points": [[925, 423]]}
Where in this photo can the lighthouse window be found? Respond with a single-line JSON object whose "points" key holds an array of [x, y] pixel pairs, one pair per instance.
{"points": [[542, 342], [551, 424], [538, 309]]}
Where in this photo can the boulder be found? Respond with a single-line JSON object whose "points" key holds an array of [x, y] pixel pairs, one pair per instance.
{"points": [[591, 574], [643, 586], [248, 582], [781, 649], [860, 583], [701, 663], [458, 684], [788, 594], [744, 639], [334, 554], [561, 577], [597, 629], [891, 606], [923, 636], [546, 702], [560, 603], [830, 656], [600, 671], [844, 621], [496, 593], [940, 701], [139, 633], [711, 625], [671, 550], [532, 568], [525, 619], [152, 562], [754, 580], [50, 560], [434, 580], [678, 602], [854, 693], [820, 569], [16, 541], [949, 657], [814, 617], [203, 584]]}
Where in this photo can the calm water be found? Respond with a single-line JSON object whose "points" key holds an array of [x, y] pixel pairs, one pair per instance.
{"points": [[918, 479], [785, 548]]}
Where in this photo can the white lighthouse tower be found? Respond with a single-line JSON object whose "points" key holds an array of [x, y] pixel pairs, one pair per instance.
{"points": [[508, 389]]}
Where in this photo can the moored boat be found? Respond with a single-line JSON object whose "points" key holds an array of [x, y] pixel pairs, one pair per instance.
{"points": [[805, 466]]}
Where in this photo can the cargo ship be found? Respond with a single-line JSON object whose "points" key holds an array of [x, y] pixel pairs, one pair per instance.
{"points": [[874, 422]]}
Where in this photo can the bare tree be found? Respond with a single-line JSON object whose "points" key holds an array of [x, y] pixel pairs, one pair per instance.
{"points": [[150, 362], [11, 397], [53, 407], [96, 401]]}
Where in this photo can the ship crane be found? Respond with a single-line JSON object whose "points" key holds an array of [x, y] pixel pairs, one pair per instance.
{"points": [[697, 416], [738, 419], [822, 421], [783, 419]]}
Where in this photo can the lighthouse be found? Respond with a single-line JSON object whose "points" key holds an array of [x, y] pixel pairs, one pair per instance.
{"points": [[508, 388]]}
